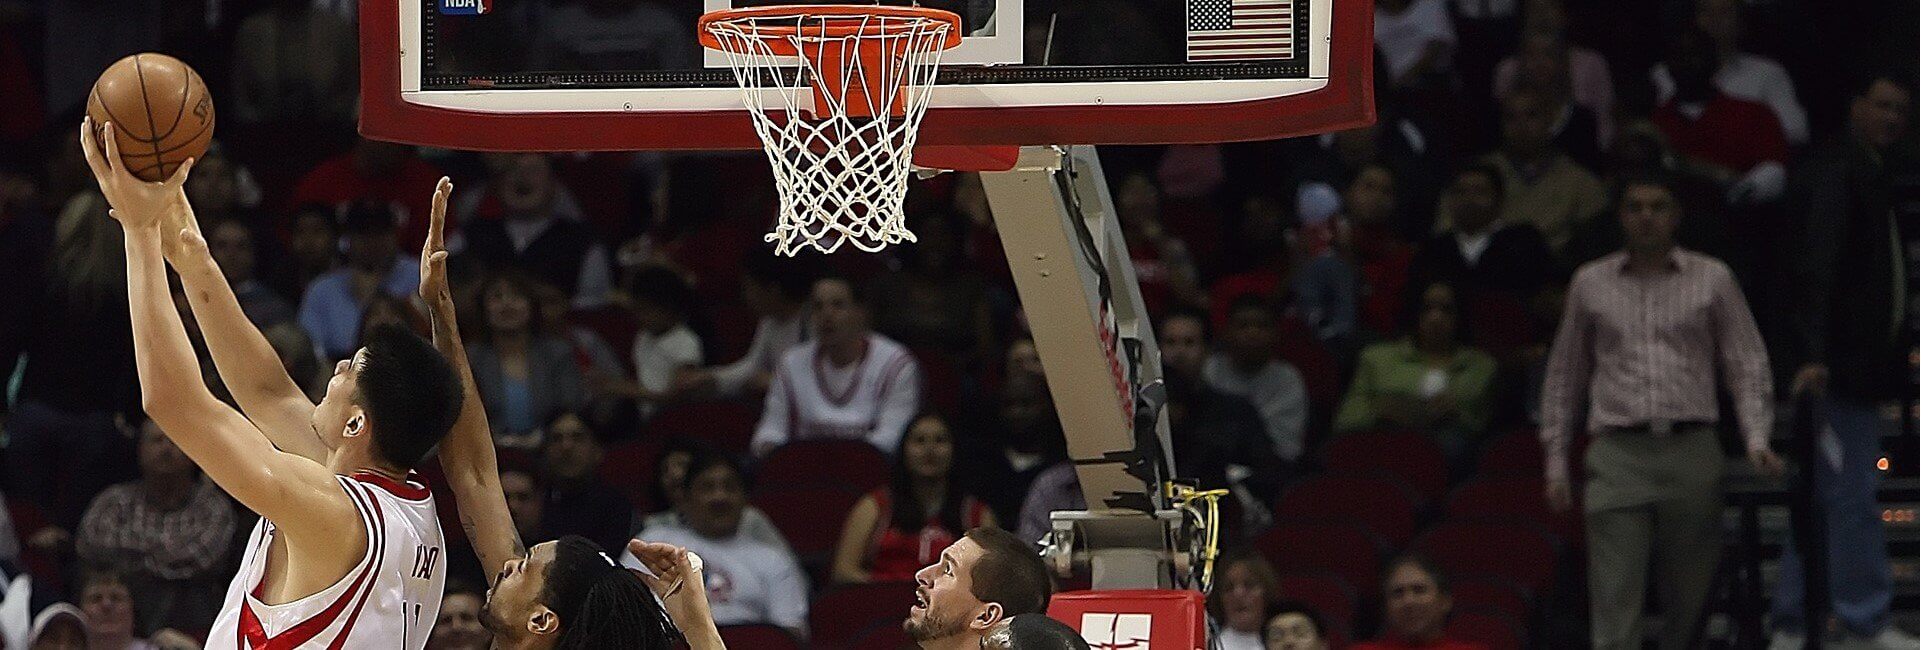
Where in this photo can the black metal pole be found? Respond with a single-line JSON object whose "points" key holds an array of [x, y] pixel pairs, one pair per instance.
{"points": [[1809, 518]]}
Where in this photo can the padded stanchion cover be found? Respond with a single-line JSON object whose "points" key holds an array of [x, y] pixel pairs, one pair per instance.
{"points": [[1143, 619]]}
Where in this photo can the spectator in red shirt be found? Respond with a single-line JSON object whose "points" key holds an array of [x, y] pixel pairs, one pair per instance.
{"points": [[381, 172], [1415, 604], [895, 530], [1734, 141]]}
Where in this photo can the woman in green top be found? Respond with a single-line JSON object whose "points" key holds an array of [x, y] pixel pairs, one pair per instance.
{"points": [[1430, 381]]}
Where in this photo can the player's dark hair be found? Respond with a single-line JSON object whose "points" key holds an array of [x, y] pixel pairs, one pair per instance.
{"points": [[792, 277], [410, 393], [1009, 572], [907, 514], [601, 604]]}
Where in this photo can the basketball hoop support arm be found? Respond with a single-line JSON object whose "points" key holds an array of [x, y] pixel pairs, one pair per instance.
{"points": [[1096, 342]]}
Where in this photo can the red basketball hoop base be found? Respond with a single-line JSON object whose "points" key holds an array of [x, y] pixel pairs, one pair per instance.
{"points": [[1158, 619], [967, 158]]}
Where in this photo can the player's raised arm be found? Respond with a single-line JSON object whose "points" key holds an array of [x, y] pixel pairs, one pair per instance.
{"points": [[248, 364], [281, 486], [467, 454]]}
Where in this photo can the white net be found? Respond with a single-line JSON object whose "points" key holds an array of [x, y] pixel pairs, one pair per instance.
{"points": [[839, 120]]}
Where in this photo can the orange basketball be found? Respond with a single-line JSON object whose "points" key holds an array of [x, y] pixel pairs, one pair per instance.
{"points": [[160, 110]]}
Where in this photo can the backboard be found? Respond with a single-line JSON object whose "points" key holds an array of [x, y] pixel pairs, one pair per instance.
{"points": [[584, 75]]}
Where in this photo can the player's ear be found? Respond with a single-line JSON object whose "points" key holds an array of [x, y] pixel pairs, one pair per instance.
{"points": [[543, 621], [989, 615], [356, 422]]}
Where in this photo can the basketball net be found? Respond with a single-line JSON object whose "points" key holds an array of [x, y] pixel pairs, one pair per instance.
{"points": [[837, 94]]}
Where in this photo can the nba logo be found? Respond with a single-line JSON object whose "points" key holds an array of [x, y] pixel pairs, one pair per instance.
{"points": [[1117, 631], [465, 7]]}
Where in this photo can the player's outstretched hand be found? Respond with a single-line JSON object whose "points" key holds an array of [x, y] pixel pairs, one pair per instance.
{"points": [[134, 202], [433, 253], [674, 574]]}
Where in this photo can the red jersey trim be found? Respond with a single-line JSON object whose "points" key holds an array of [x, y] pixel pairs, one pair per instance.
{"points": [[254, 635], [412, 490]]}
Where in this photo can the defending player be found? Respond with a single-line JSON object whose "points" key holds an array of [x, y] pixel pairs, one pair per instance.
{"points": [[348, 547], [564, 594]]}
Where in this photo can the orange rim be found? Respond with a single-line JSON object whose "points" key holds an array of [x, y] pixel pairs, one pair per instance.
{"points": [[828, 21]]}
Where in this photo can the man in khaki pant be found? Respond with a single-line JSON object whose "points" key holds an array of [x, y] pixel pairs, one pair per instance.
{"points": [[1645, 334]]}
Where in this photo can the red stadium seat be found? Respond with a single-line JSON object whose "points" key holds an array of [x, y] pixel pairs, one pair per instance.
{"points": [[1517, 551], [1411, 457], [1476, 592], [1491, 629], [615, 325], [809, 517], [1512, 499], [1320, 371], [847, 464], [1382, 505], [629, 468], [759, 637], [1346, 551], [1325, 591], [1514, 454], [840, 615], [726, 425], [885, 636], [940, 380]]}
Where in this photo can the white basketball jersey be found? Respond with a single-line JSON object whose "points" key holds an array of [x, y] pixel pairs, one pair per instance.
{"points": [[388, 600]]}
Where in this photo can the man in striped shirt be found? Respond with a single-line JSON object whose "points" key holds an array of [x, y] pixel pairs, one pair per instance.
{"points": [[1646, 332]]}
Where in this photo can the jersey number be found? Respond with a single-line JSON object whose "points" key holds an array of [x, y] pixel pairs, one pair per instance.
{"points": [[424, 559]]}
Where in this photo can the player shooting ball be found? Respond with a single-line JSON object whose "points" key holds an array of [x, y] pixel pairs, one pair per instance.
{"points": [[561, 594]]}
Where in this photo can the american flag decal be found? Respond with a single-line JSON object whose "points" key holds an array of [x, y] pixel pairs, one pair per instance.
{"points": [[1235, 30]]}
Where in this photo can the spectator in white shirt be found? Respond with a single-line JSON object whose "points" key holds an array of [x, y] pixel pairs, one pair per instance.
{"points": [[665, 346], [847, 383], [776, 288], [748, 581], [1741, 75]]}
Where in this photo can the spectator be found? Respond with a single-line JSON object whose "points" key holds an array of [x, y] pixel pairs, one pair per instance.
{"points": [[1736, 142], [1166, 271], [526, 504], [775, 287], [1430, 381], [296, 353], [332, 308], [1542, 67], [1370, 203], [591, 354], [1542, 186], [613, 35], [1294, 626], [1325, 284], [525, 375], [1739, 74], [749, 582], [1415, 38], [1247, 587], [1247, 368], [527, 220], [458, 627], [1219, 439], [1644, 336], [233, 246], [1025, 439], [670, 491], [221, 190], [313, 249], [665, 347], [1415, 603], [1478, 253], [384, 309], [377, 172], [1588, 81], [170, 532], [578, 503], [60, 626], [294, 63], [847, 383], [108, 608], [76, 379], [1055, 488], [1853, 344], [935, 302], [895, 530]]}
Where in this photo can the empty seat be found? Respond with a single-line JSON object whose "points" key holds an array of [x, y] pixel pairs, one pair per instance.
{"points": [[726, 425], [1490, 592], [842, 614], [1411, 457], [1513, 498], [1518, 551], [1382, 505], [1345, 551], [848, 464], [1490, 628], [810, 517]]}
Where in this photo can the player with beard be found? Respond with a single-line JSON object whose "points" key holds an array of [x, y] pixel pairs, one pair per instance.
{"points": [[980, 582], [566, 593]]}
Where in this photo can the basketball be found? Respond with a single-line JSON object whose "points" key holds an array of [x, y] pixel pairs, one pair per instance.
{"points": [[160, 110]]}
